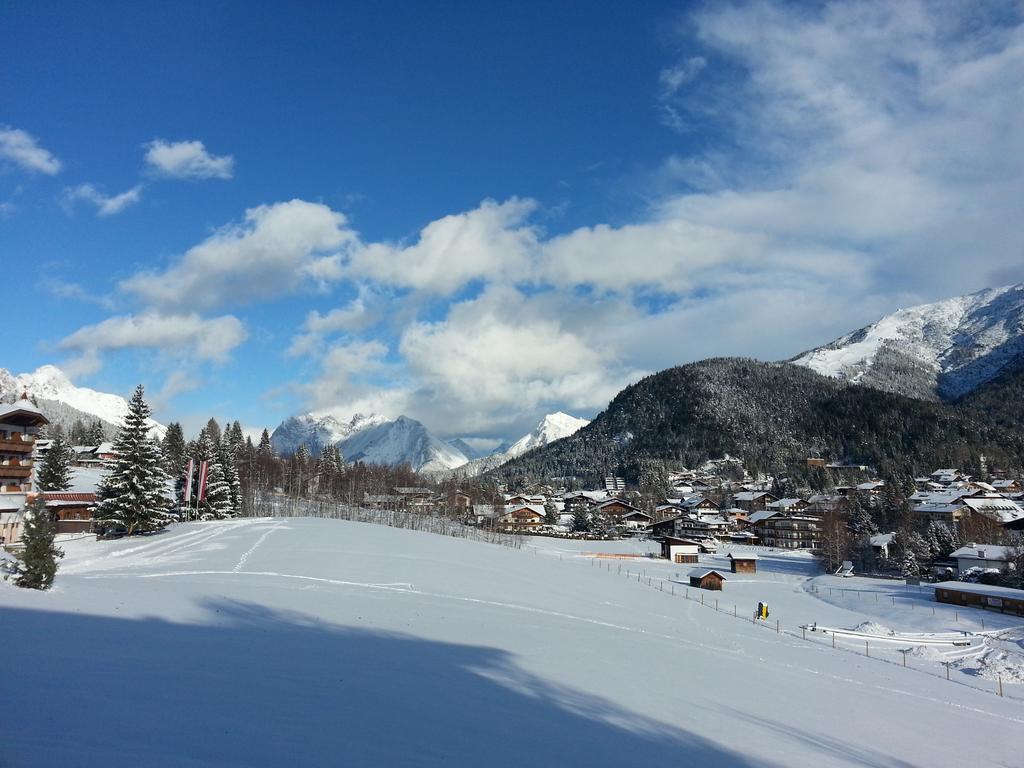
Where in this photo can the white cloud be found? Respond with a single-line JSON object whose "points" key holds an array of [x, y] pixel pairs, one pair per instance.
{"points": [[671, 80], [188, 336], [271, 253], [187, 160], [106, 205], [68, 290], [491, 242], [357, 315], [344, 367], [502, 356], [23, 150]]}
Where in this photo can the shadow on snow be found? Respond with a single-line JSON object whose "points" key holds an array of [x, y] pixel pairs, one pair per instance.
{"points": [[256, 687]]}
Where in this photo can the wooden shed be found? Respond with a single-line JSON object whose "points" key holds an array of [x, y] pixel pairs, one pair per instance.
{"points": [[706, 578], [743, 562], [1005, 599], [680, 550]]}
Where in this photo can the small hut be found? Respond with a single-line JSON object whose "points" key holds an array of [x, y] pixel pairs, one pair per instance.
{"points": [[680, 550], [706, 578], [743, 562]]}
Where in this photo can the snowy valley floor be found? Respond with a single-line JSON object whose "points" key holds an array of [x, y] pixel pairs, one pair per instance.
{"points": [[320, 642]]}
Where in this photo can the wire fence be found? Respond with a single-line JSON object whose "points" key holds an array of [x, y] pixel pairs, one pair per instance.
{"points": [[286, 506], [881, 651], [912, 600]]}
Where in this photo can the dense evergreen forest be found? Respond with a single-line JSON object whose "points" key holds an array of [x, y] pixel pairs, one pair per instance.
{"points": [[774, 416]]}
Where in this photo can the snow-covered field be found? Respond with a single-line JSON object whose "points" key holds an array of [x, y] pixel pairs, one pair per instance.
{"points": [[321, 642]]}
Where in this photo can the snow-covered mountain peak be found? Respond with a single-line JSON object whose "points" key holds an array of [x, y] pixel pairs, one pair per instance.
{"points": [[373, 439], [50, 383], [945, 348], [552, 427]]}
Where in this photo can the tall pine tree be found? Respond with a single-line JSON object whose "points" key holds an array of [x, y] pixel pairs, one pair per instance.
{"points": [[55, 470], [39, 560], [132, 495]]}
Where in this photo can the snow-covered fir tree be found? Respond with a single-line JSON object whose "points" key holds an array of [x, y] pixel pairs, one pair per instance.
{"points": [[216, 501], [132, 493], [550, 513], [265, 448], [38, 564], [910, 567], [55, 470], [580, 520], [95, 434], [228, 455]]}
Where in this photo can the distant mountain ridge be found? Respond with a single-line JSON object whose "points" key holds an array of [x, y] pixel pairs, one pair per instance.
{"points": [[941, 350], [62, 402], [373, 439], [772, 415], [554, 426]]}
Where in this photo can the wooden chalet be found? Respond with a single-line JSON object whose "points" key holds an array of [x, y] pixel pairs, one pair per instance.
{"points": [[743, 562], [20, 423], [71, 511], [706, 578], [753, 501], [522, 516]]}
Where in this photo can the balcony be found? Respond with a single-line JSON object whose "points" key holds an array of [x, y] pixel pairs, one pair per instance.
{"points": [[14, 470], [17, 443]]}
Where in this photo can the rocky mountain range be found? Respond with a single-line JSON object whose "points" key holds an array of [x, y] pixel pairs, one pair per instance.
{"points": [[941, 350], [63, 403]]}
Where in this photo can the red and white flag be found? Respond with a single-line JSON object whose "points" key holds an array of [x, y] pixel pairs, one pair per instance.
{"points": [[202, 481], [188, 480]]}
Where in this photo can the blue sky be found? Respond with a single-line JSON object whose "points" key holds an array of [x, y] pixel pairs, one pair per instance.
{"points": [[476, 213]]}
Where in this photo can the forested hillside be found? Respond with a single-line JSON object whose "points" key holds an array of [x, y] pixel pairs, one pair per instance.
{"points": [[773, 415]]}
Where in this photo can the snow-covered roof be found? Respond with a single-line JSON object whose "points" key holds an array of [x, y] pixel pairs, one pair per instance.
{"points": [[939, 497], [981, 589], [882, 539], [783, 503], [610, 502], [999, 508], [984, 552], [763, 514], [870, 486], [700, 573], [749, 495], [12, 501], [536, 508], [23, 406], [744, 556]]}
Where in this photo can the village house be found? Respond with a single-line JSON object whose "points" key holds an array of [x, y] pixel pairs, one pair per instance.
{"points": [[72, 511], [1008, 486], [790, 531], [523, 516], [415, 499], [678, 550], [461, 502], [753, 501], [20, 423], [984, 556], [788, 505], [1004, 511], [636, 520]]}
